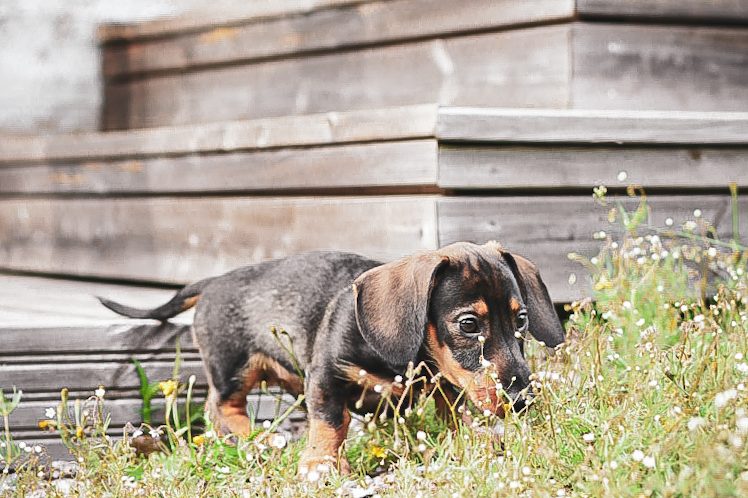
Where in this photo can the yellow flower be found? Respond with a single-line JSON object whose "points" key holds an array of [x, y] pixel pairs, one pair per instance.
{"points": [[199, 440], [79, 432], [168, 387], [45, 424], [378, 451]]}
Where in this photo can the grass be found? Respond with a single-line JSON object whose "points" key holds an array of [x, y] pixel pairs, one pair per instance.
{"points": [[647, 397]]}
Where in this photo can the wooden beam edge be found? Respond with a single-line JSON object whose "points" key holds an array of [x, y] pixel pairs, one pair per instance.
{"points": [[505, 125], [329, 128]]}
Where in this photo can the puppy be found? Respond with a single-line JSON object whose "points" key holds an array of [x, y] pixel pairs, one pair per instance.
{"points": [[356, 323]]}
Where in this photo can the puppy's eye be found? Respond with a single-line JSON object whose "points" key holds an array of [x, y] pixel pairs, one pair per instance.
{"points": [[469, 325], [522, 321]]}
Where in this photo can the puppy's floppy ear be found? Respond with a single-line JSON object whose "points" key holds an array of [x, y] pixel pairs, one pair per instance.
{"points": [[392, 305], [544, 323]]}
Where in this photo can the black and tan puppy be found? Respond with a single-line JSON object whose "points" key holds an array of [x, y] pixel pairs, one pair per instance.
{"points": [[356, 323]]}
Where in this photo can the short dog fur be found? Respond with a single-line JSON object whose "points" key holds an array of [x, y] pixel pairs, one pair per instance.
{"points": [[356, 323]]}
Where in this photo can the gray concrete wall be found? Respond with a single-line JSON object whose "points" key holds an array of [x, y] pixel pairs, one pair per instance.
{"points": [[50, 62]]}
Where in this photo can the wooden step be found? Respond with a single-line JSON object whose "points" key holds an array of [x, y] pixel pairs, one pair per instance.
{"points": [[534, 53], [131, 205]]}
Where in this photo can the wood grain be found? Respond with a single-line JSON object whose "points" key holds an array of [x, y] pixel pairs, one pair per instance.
{"points": [[566, 167], [592, 126], [627, 66], [529, 67], [729, 11], [545, 229], [385, 164], [348, 26], [184, 239], [398, 123]]}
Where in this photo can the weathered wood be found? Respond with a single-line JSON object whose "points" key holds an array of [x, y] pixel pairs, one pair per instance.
{"points": [[228, 13], [529, 67], [385, 164], [546, 229], [66, 305], [345, 27], [619, 66], [592, 126], [554, 167], [728, 11], [122, 411], [184, 239], [398, 123]]}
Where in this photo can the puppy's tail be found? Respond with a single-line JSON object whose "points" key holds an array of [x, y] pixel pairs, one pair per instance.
{"points": [[183, 300]]}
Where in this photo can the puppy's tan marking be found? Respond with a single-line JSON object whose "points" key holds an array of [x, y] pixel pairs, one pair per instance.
{"points": [[190, 302], [325, 445], [480, 307], [514, 305]]}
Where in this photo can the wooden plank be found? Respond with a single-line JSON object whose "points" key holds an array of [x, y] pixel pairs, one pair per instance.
{"points": [[529, 67], [184, 239], [57, 303], [382, 164], [397, 123], [727, 11], [546, 229], [625, 66], [122, 411], [553, 167], [111, 375], [592, 126], [349, 26], [227, 14]]}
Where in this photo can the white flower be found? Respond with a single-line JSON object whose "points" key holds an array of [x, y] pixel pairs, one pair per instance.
{"points": [[266, 424], [100, 392], [398, 378], [378, 388], [637, 455], [613, 465], [485, 363], [278, 441], [50, 412], [721, 399], [155, 433], [421, 448], [137, 433], [742, 367], [649, 462], [742, 425], [589, 437], [695, 422], [697, 213], [622, 175], [669, 222], [738, 356], [362, 373], [421, 436], [711, 252]]}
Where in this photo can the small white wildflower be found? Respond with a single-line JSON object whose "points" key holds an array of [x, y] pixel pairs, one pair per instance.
{"points": [[155, 433], [640, 322], [518, 334], [486, 413], [421, 436], [622, 175], [698, 318], [421, 448], [721, 399], [378, 388], [742, 425], [697, 213], [695, 422], [589, 437], [362, 373], [637, 455], [137, 433], [738, 356], [669, 221], [266, 424], [50, 412], [398, 378], [37, 449], [100, 392], [485, 363], [481, 339], [626, 305], [711, 252], [613, 465], [278, 441], [649, 462]]}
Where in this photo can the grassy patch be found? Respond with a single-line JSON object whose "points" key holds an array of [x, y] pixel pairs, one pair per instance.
{"points": [[646, 398]]}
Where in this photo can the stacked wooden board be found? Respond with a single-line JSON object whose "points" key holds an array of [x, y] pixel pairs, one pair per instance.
{"points": [[380, 127]]}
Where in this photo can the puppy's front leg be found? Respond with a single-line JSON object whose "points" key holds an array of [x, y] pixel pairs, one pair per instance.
{"points": [[328, 426]]}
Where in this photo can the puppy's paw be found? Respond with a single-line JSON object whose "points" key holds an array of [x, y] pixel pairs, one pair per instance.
{"points": [[313, 467]]}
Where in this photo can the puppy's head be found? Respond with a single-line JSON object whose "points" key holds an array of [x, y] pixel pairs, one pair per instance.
{"points": [[468, 307]]}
